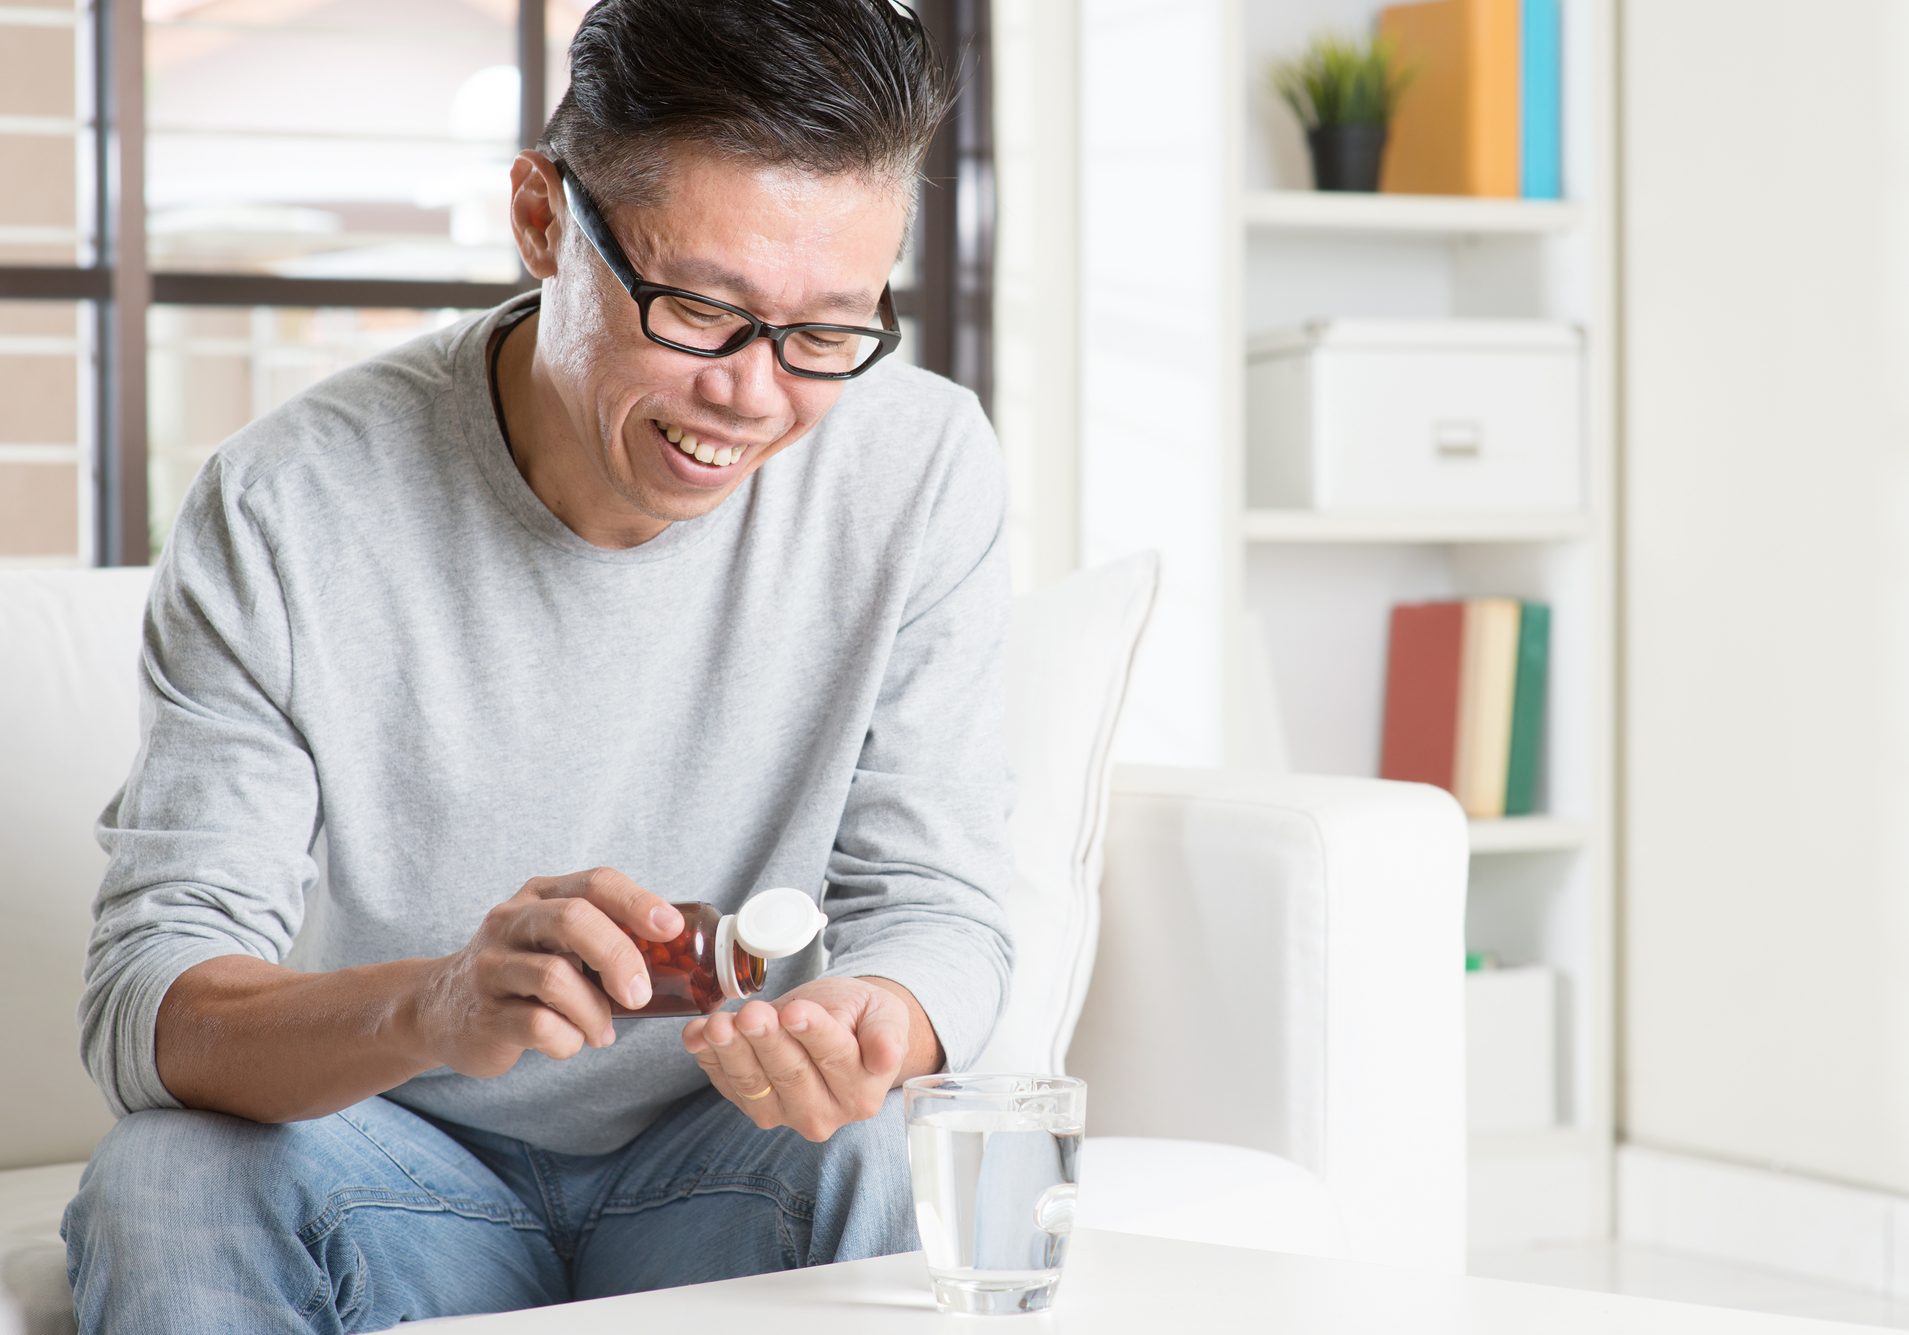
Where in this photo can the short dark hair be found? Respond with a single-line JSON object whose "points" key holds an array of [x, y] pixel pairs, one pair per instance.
{"points": [[833, 87]]}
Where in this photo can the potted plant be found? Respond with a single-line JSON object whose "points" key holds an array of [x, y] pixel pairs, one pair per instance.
{"points": [[1344, 91]]}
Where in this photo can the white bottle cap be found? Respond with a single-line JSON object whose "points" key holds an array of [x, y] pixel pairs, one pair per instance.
{"points": [[778, 923]]}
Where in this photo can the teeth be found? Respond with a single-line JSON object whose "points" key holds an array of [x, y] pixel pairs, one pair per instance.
{"points": [[695, 448]]}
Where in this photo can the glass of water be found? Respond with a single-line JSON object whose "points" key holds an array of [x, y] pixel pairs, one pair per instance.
{"points": [[994, 1160]]}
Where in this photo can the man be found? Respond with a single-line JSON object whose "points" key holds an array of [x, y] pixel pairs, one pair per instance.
{"points": [[462, 665]]}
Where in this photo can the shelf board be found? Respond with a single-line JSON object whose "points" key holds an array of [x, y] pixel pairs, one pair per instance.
{"points": [[1407, 215], [1528, 834], [1312, 526]]}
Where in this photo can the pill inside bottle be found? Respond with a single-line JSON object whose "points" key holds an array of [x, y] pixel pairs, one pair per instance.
{"points": [[718, 956]]}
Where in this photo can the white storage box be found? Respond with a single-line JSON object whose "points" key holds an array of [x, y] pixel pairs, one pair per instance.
{"points": [[1409, 415], [1511, 1058]]}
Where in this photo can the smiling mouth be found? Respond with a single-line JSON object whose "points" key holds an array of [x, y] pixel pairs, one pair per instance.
{"points": [[710, 456]]}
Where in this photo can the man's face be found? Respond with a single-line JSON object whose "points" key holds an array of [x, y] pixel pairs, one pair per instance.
{"points": [[783, 244]]}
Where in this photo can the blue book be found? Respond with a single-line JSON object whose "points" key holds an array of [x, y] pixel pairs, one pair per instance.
{"points": [[1541, 94]]}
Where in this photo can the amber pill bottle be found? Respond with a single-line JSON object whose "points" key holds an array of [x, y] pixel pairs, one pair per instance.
{"points": [[720, 957]]}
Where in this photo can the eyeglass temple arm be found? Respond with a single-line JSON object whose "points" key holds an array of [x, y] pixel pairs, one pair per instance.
{"points": [[584, 210]]}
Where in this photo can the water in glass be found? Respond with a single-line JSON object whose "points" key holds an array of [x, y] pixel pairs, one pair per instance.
{"points": [[994, 1203]]}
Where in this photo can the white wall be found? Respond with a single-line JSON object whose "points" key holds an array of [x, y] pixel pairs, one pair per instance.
{"points": [[1159, 410], [1036, 287], [1765, 927]]}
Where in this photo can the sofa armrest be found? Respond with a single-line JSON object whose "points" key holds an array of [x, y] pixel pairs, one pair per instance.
{"points": [[1280, 966]]}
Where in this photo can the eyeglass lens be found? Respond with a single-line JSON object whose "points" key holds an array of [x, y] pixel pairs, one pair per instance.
{"points": [[695, 324]]}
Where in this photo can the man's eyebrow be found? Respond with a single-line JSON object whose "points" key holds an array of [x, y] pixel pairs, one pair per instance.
{"points": [[698, 274]]}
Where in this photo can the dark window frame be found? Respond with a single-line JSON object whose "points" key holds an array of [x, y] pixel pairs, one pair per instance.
{"points": [[950, 302]]}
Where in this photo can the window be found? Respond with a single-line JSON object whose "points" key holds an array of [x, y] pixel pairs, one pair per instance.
{"points": [[301, 184], [45, 431], [47, 346]]}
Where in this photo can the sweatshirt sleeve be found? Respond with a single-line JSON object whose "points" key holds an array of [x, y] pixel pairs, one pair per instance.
{"points": [[209, 841], [919, 874]]}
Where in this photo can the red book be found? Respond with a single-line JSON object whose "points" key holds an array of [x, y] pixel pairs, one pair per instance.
{"points": [[1424, 665]]}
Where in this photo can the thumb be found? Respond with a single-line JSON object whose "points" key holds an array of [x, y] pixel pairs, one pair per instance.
{"points": [[883, 1032]]}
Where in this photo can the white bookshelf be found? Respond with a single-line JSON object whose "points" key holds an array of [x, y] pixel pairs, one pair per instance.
{"points": [[1529, 834], [1406, 215], [1271, 526], [1195, 201]]}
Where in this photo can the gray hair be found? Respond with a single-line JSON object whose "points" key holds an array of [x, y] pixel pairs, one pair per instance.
{"points": [[833, 87]]}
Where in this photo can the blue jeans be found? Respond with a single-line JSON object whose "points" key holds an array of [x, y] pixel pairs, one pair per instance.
{"points": [[196, 1221]]}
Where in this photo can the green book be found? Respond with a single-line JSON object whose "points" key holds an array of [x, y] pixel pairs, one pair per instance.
{"points": [[1527, 707]]}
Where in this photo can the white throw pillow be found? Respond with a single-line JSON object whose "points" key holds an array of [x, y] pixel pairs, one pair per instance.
{"points": [[1070, 653], [69, 727]]}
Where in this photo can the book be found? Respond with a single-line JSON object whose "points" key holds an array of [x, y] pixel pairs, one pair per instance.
{"points": [[1466, 683], [1528, 708], [1423, 658], [1456, 128], [1541, 99], [1487, 680]]}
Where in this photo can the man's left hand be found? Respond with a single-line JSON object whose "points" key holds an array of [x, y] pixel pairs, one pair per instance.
{"points": [[821, 1056]]}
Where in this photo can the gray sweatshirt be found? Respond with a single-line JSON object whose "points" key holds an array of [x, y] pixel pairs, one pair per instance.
{"points": [[382, 686]]}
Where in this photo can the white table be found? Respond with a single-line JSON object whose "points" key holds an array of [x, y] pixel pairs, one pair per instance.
{"points": [[1118, 1283]]}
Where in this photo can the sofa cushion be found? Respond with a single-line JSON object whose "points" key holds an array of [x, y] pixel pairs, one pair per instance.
{"points": [[1200, 1191], [32, 1258], [69, 711], [1070, 650]]}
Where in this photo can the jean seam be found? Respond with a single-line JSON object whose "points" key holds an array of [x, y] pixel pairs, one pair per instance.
{"points": [[322, 1287], [359, 1302], [550, 1185], [342, 1202], [383, 1150], [790, 1259], [676, 1189], [681, 1187], [758, 1184], [790, 1206], [321, 1290], [517, 1217]]}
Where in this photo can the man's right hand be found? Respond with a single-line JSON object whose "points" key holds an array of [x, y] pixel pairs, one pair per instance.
{"points": [[517, 985]]}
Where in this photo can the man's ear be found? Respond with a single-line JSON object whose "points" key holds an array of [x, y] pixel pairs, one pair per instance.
{"points": [[536, 217]]}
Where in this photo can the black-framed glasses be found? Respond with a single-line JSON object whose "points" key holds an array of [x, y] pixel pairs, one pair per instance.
{"points": [[705, 327]]}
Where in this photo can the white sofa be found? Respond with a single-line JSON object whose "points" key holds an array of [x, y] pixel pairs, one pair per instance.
{"points": [[1265, 969]]}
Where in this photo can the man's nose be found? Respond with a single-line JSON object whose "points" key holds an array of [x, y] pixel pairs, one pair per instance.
{"points": [[744, 382]]}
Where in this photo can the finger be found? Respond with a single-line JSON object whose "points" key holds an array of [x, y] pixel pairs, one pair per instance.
{"points": [[883, 1039], [784, 1061], [741, 1072], [831, 1046], [714, 1070], [638, 911], [572, 925], [535, 1027], [557, 983], [693, 1040]]}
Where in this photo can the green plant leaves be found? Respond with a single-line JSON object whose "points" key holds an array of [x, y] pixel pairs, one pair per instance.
{"points": [[1341, 81]]}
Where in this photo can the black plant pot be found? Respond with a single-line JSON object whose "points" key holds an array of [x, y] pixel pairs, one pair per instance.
{"points": [[1346, 157]]}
